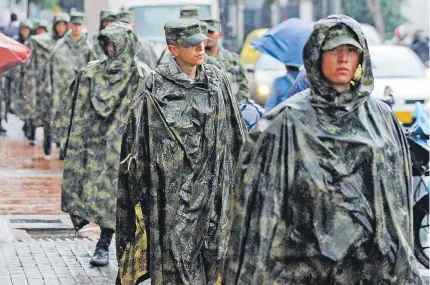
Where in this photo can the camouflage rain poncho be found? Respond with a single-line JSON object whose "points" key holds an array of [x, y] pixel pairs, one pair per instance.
{"points": [[37, 80], [13, 89], [235, 71], [92, 128], [179, 154], [69, 56], [323, 188]]}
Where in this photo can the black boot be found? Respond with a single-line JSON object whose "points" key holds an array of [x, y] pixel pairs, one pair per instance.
{"points": [[101, 254]]}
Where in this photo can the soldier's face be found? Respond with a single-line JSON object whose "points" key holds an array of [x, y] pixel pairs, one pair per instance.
{"points": [[61, 28], [214, 37], [40, 31], [339, 65], [194, 55], [76, 29], [25, 32], [111, 50]]}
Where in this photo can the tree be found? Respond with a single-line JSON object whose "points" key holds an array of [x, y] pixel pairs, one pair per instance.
{"points": [[383, 14]]}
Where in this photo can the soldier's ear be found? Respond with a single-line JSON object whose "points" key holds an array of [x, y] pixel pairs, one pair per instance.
{"points": [[173, 50]]}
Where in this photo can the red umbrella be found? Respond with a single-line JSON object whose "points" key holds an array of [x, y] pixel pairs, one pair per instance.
{"points": [[12, 53]]}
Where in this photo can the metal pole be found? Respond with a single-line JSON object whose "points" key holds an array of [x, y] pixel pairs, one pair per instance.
{"points": [[240, 22]]}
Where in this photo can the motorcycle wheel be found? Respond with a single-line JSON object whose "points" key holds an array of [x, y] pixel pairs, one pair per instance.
{"points": [[421, 230]]}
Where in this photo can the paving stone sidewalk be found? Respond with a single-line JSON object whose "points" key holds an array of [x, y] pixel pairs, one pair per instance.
{"points": [[53, 262]]}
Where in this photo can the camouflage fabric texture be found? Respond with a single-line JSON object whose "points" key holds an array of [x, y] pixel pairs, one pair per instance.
{"points": [[93, 125], [68, 58], [236, 73], [323, 188], [184, 32], [178, 159], [13, 84]]}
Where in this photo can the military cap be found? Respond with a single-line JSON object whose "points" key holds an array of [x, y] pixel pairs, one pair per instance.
{"points": [[340, 35], [77, 17], [107, 14], [184, 32], [41, 24], [126, 17], [190, 12], [26, 23], [204, 27], [213, 25], [61, 17]]}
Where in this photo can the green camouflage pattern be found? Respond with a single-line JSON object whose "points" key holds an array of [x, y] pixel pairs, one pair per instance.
{"points": [[61, 17], [236, 72], [92, 125], [77, 17], [184, 32], [213, 25], [126, 17], [178, 158], [13, 81], [337, 37], [323, 188], [190, 12], [41, 24], [106, 14], [147, 53]]}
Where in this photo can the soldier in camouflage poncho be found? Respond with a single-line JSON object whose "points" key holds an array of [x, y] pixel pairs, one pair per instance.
{"points": [[37, 82], [70, 55], [230, 61], [107, 17], [178, 157], [100, 98], [40, 27], [147, 53], [323, 193], [13, 89]]}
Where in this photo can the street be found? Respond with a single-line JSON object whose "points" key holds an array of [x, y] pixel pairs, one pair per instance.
{"points": [[45, 249]]}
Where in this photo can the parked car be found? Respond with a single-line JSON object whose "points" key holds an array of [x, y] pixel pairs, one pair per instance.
{"points": [[402, 70], [262, 75]]}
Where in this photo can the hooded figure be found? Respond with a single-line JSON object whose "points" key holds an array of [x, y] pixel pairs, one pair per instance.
{"points": [[147, 52], [91, 130], [178, 159], [37, 81], [323, 184], [13, 89], [107, 17]]}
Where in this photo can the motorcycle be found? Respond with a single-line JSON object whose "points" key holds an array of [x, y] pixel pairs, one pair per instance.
{"points": [[418, 139]]}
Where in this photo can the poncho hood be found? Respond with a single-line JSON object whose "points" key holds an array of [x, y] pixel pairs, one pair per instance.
{"points": [[323, 94]]}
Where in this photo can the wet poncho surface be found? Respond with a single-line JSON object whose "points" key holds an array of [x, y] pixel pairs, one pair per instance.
{"points": [[91, 129], [323, 193], [179, 154]]}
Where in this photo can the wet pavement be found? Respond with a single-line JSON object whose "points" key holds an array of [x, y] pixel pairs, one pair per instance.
{"points": [[30, 187]]}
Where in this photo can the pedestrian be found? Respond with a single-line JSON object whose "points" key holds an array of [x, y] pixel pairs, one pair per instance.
{"points": [[107, 17], [178, 157], [281, 87], [229, 60], [37, 82], [420, 46], [323, 187], [41, 27], [13, 29], [100, 99], [300, 84], [186, 12], [14, 78], [147, 52], [69, 55]]}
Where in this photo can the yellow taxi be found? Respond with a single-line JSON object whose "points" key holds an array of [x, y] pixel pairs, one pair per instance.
{"points": [[249, 55]]}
